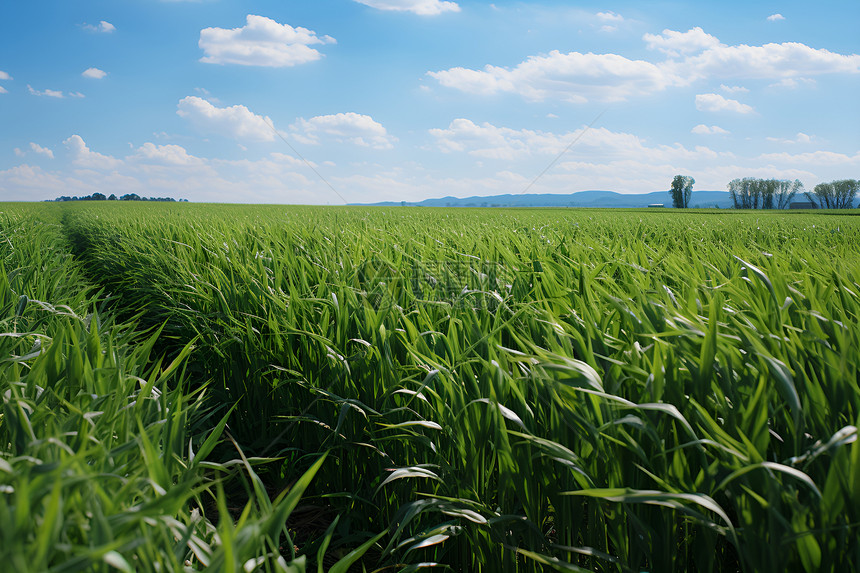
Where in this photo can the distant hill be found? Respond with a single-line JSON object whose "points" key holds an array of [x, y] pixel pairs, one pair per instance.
{"points": [[602, 199]]}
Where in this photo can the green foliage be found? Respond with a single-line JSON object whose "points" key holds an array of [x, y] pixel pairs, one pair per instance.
{"points": [[682, 190], [508, 390], [751, 193], [836, 194], [98, 470]]}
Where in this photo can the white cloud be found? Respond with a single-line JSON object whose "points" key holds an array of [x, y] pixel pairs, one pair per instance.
{"points": [[716, 102], [41, 150], [94, 73], [235, 121], [488, 141], [103, 27], [348, 127], [770, 61], [4, 76], [572, 77], [3, 90], [799, 138], [703, 129], [76, 94], [793, 83], [691, 56], [175, 155], [609, 17], [48, 93], [775, 17], [675, 44], [420, 7], [733, 89], [261, 42], [491, 142], [19, 153], [814, 158], [601, 159], [82, 156]]}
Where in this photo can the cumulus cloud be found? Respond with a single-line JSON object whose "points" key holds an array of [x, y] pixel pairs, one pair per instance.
{"points": [[488, 141], [610, 20], [3, 90], [261, 42], [349, 127], [703, 129], [691, 57], [41, 150], [94, 73], [83, 156], [675, 44], [573, 77], [770, 61], [174, 155], [4, 76], [49, 93], [733, 89], [491, 142], [775, 17], [103, 27], [420, 7], [799, 138], [716, 102], [235, 121]]}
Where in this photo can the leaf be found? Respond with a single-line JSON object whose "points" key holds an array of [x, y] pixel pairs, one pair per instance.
{"points": [[772, 466], [761, 276], [117, 561], [410, 472], [506, 412], [343, 565]]}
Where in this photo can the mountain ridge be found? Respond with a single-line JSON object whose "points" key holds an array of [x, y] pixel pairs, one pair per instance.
{"points": [[591, 198]]}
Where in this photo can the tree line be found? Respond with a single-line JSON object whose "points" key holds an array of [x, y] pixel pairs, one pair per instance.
{"points": [[112, 197], [752, 193]]}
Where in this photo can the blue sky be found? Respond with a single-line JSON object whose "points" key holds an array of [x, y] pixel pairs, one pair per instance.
{"points": [[336, 101]]}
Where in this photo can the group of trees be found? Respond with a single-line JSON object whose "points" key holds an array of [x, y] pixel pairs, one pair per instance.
{"points": [[112, 197], [836, 194], [752, 193]]}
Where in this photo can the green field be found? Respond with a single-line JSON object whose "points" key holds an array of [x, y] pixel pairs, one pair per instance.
{"points": [[273, 388]]}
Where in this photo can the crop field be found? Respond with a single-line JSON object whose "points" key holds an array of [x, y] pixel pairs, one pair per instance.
{"points": [[267, 388]]}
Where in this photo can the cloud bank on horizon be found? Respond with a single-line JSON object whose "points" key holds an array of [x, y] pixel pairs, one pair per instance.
{"points": [[411, 99]]}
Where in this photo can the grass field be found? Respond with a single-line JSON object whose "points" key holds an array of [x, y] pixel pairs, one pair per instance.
{"points": [[281, 388]]}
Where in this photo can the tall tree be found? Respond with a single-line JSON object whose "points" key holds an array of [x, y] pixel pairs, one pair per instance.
{"points": [[768, 190], [742, 192], [785, 192], [824, 195], [845, 191], [682, 191]]}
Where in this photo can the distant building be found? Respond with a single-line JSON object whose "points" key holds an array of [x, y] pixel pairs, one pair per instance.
{"points": [[656, 205], [802, 205]]}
